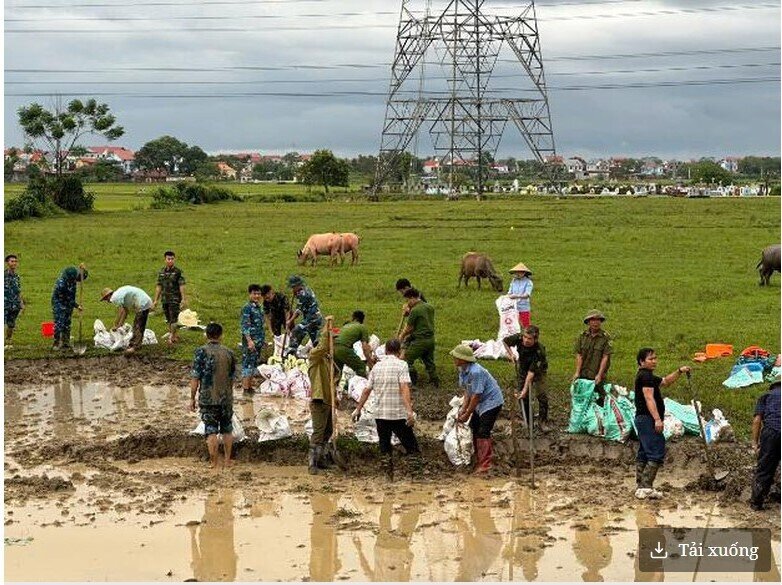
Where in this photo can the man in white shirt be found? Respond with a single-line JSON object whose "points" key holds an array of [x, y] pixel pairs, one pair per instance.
{"points": [[130, 298], [390, 380]]}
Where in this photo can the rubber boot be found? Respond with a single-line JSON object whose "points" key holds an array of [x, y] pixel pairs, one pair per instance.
{"points": [[648, 477], [313, 461], [484, 456], [639, 472], [324, 458], [56, 344]]}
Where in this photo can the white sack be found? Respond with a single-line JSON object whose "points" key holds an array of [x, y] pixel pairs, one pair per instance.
{"points": [[272, 425], [236, 422], [458, 444]]}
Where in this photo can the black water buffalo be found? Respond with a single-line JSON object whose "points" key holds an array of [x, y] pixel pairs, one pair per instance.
{"points": [[769, 262]]}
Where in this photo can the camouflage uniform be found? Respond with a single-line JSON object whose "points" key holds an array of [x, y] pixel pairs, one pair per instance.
{"points": [[13, 298], [169, 280], [251, 324], [63, 304], [311, 319], [214, 366]]}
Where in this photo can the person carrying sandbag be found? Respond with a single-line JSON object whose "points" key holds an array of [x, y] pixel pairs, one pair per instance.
{"points": [[482, 403]]}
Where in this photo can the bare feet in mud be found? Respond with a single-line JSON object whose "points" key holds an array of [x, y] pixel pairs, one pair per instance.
{"points": [[229, 463]]}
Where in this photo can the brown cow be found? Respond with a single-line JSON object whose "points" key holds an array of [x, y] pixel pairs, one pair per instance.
{"points": [[320, 245], [350, 242], [479, 266]]}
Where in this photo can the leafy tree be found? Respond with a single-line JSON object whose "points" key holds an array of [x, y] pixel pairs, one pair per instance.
{"points": [[323, 168], [103, 171], [60, 128], [757, 166], [707, 171], [205, 171], [8, 166], [170, 154]]}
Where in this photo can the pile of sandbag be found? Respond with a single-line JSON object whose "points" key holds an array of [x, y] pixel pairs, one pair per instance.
{"points": [[753, 366], [365, 428], [456, 436], [272, 425], [236, 423], [120, 338], [494, 349], [277, 382], [612, 421], [379, 350]]}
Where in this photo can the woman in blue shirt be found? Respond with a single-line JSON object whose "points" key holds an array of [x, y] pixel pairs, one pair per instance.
{"points": [[482, 403], [521, 290]]}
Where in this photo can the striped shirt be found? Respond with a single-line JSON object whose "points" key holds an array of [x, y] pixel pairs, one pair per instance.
{"points": [[385, 380]]}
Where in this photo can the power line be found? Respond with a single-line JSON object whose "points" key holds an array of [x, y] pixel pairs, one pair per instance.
{"points": [[345, 94], [322, 67], [643, 14], [264, 2], [385, 79]]}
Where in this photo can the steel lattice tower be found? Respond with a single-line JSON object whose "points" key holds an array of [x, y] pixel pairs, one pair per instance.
{"points": [[464, 107]]}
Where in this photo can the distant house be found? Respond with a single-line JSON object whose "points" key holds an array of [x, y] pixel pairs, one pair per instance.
{"points": [[598, 168], [226, 171], [246, 174], [500, 168], [576, 166], [431, 166], [120, 155], [730, 164], [651, 167]]}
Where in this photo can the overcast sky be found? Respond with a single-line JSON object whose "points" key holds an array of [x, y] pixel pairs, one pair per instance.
{"points": [[101, 56]]}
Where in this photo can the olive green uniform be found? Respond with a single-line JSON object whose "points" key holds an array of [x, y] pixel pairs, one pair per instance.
{"points": [[420, 343], [344, 355], [320, 400], [592, 348]]}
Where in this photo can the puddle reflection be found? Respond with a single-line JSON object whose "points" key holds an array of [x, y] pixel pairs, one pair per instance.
{"points": [[212, 544], [324, 560]]}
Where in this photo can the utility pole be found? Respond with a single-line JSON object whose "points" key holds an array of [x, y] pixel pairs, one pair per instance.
{"points": [[464, 113]]}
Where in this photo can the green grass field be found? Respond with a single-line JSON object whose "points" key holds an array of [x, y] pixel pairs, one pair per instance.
{"points": [[669, 273]]}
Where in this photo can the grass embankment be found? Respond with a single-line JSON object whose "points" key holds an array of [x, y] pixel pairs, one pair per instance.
{"points": [[671, 274]]}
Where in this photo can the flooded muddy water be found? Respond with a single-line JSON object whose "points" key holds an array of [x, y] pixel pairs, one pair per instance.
{"points": [[327, 531], [94, 490]]}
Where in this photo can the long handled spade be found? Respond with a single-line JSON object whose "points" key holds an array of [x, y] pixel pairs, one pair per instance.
{"points": [[79, 348], [401, 325], [285, 334], [513, 421], [717, 475], [338, 459]]}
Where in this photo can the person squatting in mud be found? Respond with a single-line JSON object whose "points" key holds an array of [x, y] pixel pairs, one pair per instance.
{"points": [[418, 338], [320, 403], [13, 303], [531, 368], [345, 355], [276, 306], [390, 381], [649, 416], [211, 378], [308, 309], [765, 442], [251, 325], [481, 405], [64, 302]]}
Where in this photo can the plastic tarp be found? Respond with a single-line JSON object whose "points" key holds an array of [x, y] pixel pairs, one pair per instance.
{"points": [[272, 425], [119, 339], [236, 422], [745, 375], [685, 413]]}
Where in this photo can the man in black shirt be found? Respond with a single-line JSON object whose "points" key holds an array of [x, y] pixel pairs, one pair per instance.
{"points": [[649, 414], [532, 367], [275, 304]]}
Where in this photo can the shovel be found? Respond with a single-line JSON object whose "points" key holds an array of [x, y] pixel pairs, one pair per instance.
{"points": [[717, 475], [79, 348], [338, 458]]}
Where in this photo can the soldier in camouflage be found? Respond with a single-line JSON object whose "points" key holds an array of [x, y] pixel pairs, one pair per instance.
{"points": [[171, 286], [307, 308], [64, 302], [253, 335], [211, 378], [13, 301]]}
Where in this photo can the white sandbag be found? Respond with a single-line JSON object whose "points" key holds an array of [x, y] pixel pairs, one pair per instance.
{"points": [[344, 380], [718, 429], [272, 425], [119, 339], [458, 444], [356, 387], [509, 317], [236, 423], [278, 349], [374, 343], [303, 351], [673, 428], [298, 384], [308, 427], [380, 352], [189, 318], [366, 427], [450, 419]]}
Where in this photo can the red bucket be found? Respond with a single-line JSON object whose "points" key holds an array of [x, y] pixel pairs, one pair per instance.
{"points": [[47, 329]]}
